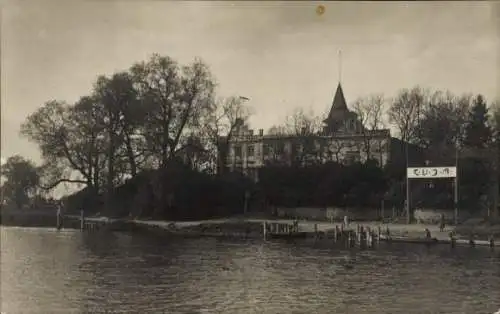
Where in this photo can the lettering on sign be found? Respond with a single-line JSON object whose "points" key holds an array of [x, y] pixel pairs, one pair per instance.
{"points": [[431, 172]]}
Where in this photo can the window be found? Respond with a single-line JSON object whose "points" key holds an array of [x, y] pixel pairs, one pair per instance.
{"points": [[297, 148], [250, 150], [266, 149], [237, 151], [352, 157], [280, 148]]}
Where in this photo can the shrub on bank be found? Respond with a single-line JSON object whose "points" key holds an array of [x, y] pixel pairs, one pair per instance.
{"points": [[179, 193]]}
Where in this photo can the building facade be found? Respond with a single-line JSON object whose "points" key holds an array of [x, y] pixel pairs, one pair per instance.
{"points": [[343, 139]]}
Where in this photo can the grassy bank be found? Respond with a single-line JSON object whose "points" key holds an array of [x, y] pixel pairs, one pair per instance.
{"points": [[219, 228]]}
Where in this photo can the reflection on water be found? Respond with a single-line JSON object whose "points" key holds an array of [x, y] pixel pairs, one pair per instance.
{"points": [[44, 271]]}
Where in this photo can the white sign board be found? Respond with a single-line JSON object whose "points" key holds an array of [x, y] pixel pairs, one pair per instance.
{"points": [[431, 172]]}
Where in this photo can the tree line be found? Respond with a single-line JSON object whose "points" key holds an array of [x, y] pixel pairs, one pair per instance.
{"points": [[138, 123], [438, 128]]}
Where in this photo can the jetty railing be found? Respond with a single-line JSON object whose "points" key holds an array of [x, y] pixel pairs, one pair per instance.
{"points": [[80, 222], [366, 236]]}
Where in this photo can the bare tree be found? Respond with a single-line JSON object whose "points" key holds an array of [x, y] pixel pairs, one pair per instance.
{"points": [[218, 125], [335, 150], [370, 112], [175, 97], [277, 130], [67, 139], [406, 111], [442, 122], [303, 128], [122, 115]]}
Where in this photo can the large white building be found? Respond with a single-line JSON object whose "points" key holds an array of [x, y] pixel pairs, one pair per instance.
{"points": [[343, 139]]}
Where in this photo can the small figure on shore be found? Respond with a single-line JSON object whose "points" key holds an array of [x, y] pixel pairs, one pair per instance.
{"points": [[442, 223], [471, 240], [491, 239], [427, 234]]}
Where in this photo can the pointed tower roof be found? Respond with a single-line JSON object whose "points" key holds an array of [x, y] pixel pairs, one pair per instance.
{"points": [[339, 105], [339, 102]]}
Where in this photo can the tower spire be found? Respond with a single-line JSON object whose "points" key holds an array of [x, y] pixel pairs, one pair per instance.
{"points": [[340, 65]]}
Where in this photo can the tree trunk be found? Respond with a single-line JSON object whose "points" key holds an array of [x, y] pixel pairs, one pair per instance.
{"points": [[131, 157]]}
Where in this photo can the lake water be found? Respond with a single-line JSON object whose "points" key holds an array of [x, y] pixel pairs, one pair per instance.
{"points": [[44, 271]]}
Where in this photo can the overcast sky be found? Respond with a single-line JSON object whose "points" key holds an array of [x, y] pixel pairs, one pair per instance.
{"points": [[281, 56]]}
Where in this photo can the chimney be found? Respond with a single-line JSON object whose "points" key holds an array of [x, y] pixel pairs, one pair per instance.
{"points": [[261, 132]]}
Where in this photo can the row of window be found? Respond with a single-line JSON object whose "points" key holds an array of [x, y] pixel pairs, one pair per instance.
{"points": [[277, 149]]}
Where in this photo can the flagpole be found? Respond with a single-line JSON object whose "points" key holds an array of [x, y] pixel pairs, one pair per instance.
{"points": [[455, 202], [408, 194], [340, 65]]}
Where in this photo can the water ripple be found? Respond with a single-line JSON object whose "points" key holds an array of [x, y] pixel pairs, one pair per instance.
{"points": [[43, 271]]}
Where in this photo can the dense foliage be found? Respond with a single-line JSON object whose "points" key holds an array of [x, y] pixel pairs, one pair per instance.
{"points": [[356, 185], [21, 181]]}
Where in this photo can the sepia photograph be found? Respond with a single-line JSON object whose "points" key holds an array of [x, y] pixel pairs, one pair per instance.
{"points": [[237, 157]]}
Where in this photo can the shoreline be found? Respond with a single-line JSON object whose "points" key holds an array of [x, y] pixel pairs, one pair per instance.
{"points": [[252, 228]]}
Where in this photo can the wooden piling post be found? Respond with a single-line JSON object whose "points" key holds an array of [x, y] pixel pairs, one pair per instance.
{"points": [[471, 240], [492, 242], [453, 241], [316, 229], [388, 234], [264, 229], [367, 237], [379, 233], [245, 205], [82, 221], [59, 217]]}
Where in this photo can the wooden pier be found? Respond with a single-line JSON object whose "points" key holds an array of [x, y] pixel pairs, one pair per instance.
{"points": [[81, 222], [365, 237], [276, 230]]}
